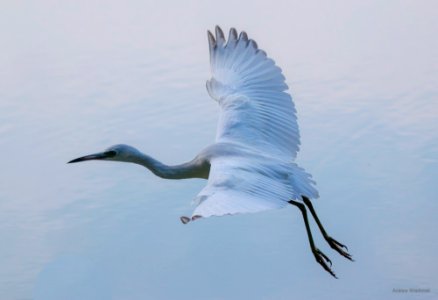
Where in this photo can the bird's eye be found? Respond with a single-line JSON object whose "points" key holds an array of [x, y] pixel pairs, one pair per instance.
{"points": [[110, 153]]}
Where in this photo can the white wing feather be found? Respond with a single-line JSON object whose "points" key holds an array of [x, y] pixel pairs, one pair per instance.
{"points": [[257, 139], [255, 109], [245, 185]]}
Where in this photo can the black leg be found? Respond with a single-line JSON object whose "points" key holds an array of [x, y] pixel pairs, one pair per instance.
{"points": [[331, 241], [320, 257]]}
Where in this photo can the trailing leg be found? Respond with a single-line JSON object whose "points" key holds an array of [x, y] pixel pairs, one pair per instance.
{"points": [[337, 246], [320, 257]]}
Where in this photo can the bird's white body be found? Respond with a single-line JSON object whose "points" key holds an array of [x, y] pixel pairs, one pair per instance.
{"points": [[242, 180]]}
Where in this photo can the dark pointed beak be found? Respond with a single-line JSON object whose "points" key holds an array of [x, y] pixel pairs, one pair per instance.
{"points": [[89, 157]]}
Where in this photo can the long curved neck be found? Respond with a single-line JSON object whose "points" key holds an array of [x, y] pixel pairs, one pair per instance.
{"points": [[192, 169]]}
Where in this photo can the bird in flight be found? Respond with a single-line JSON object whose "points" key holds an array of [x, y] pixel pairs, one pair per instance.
{"points": [[250, 167]]}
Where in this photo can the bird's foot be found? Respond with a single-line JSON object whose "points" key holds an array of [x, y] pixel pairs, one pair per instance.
{"points": [[322, 259], [338, 247]]}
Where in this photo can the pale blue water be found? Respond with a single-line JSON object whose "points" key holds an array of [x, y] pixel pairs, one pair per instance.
{"points": [[77, 78]]}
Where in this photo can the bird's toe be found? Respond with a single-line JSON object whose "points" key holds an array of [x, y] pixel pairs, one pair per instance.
{"points": [[339, 247], [322, 259]]}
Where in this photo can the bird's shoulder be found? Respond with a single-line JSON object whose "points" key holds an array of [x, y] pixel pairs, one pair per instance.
{"points": [[227, 151]]}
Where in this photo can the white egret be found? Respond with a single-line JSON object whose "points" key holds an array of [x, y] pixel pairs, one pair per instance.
{"points": [[250, 166]]}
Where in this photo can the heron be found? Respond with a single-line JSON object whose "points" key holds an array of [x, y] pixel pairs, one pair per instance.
{"points": [[251, 165]]}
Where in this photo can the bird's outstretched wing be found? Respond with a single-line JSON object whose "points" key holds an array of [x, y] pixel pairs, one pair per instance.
{"points": [[250, 89], [244, 185], [258, 128]]}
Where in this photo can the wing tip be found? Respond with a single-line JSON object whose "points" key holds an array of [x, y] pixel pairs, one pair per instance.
{"points": [[243, 36], [211, 40], [253, 44], [184, 219], [233, 33], [232, 37], [219, 33], [218, 39]]}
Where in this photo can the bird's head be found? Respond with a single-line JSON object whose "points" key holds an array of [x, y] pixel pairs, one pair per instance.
{"points": [[114, 153]]}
